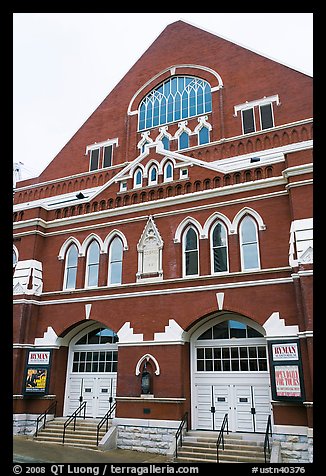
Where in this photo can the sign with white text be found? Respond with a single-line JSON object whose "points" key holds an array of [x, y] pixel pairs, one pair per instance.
{"points": [[287, 351]]}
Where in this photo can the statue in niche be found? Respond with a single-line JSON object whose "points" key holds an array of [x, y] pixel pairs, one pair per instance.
{"points": [[150, 253]]}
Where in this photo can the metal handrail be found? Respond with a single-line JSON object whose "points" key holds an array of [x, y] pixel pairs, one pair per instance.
{"points": [[43, 415], [183, 422], [73, 418], [105, 419], [268, 433], [220, 438]]}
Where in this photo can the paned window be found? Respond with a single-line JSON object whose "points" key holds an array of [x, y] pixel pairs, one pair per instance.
{"points": [[71, 267], [219, 248], [178, 97], [191, 252], [249, 244], [166, 142], [115, 261], [106, 361], [93, 264], [232, 359]]}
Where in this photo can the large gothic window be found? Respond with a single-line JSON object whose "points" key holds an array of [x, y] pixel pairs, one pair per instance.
{"points": [[249, 244], [191, 254], [93, 264], [177, 98]]}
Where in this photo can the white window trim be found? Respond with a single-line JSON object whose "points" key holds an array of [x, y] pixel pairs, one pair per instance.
{"points": [[138, 169], [257, 102], [165, 178], [109, 261], [219, 273], [101, 145], [87, 262], [66, 267], [241, 246], [184, 175], [184, 253], [150, 181], [17, 255]]}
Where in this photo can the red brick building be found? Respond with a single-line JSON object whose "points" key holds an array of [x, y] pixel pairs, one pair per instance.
{"points": [[173, 235]]}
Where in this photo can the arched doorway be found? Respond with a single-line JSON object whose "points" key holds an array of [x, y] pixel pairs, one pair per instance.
{"points": [[229, 371], [92, 371]]}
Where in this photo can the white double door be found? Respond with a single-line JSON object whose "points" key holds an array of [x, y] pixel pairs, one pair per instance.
{"points": [[248, 406], [97, 390]]}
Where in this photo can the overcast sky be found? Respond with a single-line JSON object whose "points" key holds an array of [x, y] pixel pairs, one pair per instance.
{"points": [[65, 64]]}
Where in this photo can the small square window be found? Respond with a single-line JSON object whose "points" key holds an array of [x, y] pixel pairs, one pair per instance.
{"points": [[183, 173], [123, 186]]}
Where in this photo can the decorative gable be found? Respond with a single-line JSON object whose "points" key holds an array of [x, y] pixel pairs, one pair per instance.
{"points": [[149, 249]]}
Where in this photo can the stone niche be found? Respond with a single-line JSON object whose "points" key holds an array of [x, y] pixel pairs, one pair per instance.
{"points": [[149, 249]]}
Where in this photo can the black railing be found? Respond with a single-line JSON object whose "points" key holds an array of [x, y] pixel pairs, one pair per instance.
{"points": [[73, 418], [105, 419], [220, 438], [178, 434], [268, 434], [53, 407]]}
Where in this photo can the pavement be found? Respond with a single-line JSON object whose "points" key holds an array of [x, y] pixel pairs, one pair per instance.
{"points": [[26, 450]]}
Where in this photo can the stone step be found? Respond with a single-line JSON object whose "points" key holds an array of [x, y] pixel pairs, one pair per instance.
{"points": [[200, 446], [245, 450]]}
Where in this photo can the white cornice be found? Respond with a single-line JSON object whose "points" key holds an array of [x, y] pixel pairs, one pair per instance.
{"points": [[155, 292], [148, 206]]}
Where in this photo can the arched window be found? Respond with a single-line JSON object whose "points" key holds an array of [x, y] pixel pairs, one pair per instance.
{"points": [[203, 136], [115, 261], [179, 97], [152, 176], [93, 264], [138, 178], [249, 244], [71, 268], [183, 140], [168, 172], [166, 142], [219, 249], [191, 254]]}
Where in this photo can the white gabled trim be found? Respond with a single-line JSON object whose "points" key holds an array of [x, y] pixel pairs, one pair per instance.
{"points": [[69, 241], [256, 102], [188, 221]]}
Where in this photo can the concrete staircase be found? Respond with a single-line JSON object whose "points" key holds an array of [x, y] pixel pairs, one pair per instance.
{"points": [[200, 447], [84, 436]]}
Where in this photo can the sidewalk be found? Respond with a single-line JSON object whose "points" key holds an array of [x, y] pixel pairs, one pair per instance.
{"points": [[26, 450]]}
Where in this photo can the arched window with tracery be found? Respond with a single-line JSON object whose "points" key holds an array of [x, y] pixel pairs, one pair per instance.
{"points": [[179, 97]]}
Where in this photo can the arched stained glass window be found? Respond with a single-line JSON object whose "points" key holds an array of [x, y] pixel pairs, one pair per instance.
{"points": [[177, 98]]}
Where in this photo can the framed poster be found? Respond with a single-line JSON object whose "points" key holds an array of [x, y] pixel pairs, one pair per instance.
{"points": [[286, 370], [36, 380]]}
